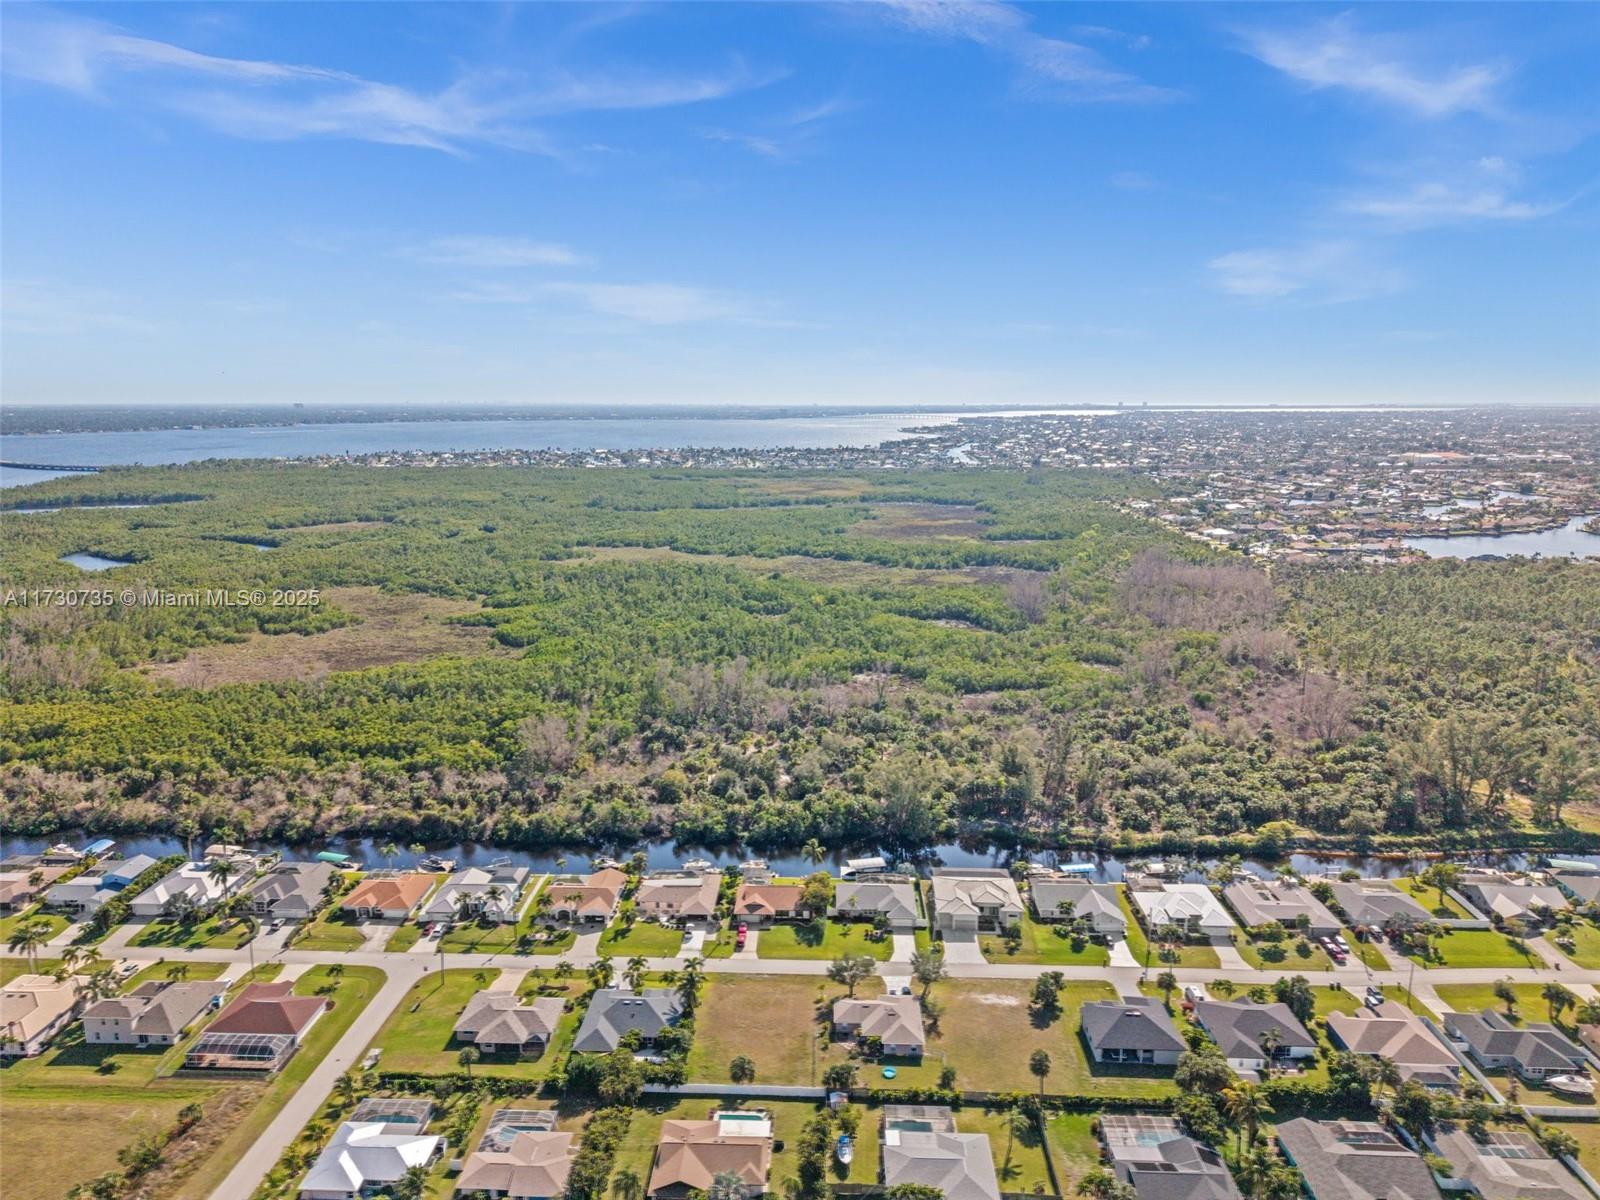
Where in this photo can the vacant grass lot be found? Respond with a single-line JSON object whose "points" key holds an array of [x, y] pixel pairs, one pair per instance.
{"points": [[1041, 944], [1139, 945], [822, 940], [1475, 997], [1586, 939], [642, 938], [177, 970], [419, 1034], [1478, 948], [1298, 955], [777, 1021], [214, 933], [331, 930]]}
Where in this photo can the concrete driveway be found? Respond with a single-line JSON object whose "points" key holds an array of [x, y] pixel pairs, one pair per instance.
{"points": [[905, 945], [962, 948]]}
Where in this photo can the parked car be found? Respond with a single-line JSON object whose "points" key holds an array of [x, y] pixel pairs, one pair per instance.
{"points": [[739, 938]]}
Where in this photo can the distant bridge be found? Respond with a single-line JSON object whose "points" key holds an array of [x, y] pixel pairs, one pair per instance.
{"points": [[16, 466]]}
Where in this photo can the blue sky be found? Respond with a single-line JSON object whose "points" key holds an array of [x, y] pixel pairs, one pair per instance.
{"points": [[893, 203]]}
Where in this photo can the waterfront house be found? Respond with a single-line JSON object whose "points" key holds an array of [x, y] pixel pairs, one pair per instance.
{"points": [[387, 896], [894, 899], [492, 893], [1190, 907], [1260, 902], [974, 900], [685, 897], [1376, 904], [190, 886], [86, 894], [1094, 904], [290, 891], [585, 900], [763, 903]]}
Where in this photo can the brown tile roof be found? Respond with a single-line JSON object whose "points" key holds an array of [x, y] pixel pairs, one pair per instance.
{"points": [[692, 1154], [268, 1008], [392, 892], [766, 899]]}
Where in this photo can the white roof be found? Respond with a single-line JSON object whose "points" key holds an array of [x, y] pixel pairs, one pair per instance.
{"points": [[1179, 903], [364, 1152]]}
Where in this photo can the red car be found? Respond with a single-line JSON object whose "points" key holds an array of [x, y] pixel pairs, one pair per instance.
{"points": [[738, 941]]}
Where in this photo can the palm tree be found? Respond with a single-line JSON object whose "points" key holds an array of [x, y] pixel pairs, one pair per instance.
{"points": [[492, 896], [468, 1056], [1039, 1067], [689, 986], [1247, 1105], [726, 1185], [345, 1088], [563, 968], [625, 1185], [28, 938], [1252, 1172], [1271, 1041], [417, 848], [602, 973], [390, 852], [927, 967], [1224, 987], [1018, 1123], [813, 852], [1387, 1075], [1558, 998], [222, 871], [636, 971], [1506, 993], [1168, 983]]}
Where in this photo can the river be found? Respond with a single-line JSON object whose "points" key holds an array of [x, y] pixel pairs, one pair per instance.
{"points": [[1564, 541], [663, 855]]}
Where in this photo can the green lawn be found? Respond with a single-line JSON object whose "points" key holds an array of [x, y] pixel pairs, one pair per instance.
{"points": [[1018, 1159], [176, 970], [1139, 944], [1428, 897], [1475, 997], [1042, 944], [331, 930], [10, 968], [1586, 938], [1367, 952], [822, 940], [1299, 954], [1478, 948], [53, 921], [418, 1036], [214, 933], [1073, 1146], [642, 938], [403, 938]]}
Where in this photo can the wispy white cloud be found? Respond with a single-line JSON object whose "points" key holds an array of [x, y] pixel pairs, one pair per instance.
{"points": [[1336, 54], [1427, 204], [786, 136], [481, 251], [767, 147], [1317, 271], [274, 101], [657, 303], [1048, 66]]}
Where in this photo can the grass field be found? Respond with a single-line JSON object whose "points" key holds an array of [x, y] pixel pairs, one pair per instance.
{"points": [[1478, 948], [10, 968], [1139, 944], [418, 1036], [1428, 897], [644, 938], [1041, 944], [1018, 1157], [214, 933], [331, 930], [822, 940], [177, 970], [1475, 997], [1073, 1146], [403, 938]]}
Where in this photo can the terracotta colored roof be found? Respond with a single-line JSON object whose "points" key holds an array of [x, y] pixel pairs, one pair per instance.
{"points": [[268, 1008], [398, 891], [691, 1154], [767, 899]]}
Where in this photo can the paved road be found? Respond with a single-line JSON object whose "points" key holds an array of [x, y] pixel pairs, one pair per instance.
{"points": [[404, 969]]}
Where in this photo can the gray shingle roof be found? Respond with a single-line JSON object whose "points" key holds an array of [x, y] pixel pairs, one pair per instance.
{"points": [[1534, 1045], [1355, 1160], [614, 1012], [1237, 1026], [1132, 1023]]}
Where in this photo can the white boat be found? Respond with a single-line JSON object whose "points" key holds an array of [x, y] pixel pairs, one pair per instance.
{"points": [[845, 1150], [433, 862], [699, 864]]}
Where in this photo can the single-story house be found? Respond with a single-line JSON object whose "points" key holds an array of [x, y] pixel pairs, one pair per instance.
{"points": [[1238, 1026], [679, 897], [191, 880], [33, 1009], [1260, 902], [491, 893], [88, 893], [760, 903], [1159, 1161], [1135, 1029], [895, 899], [615, 1012], [21, 887], [974, 900], [532, 1165], [387, 896], [894, 1021], [258, 1031], [500, 1023], [921, 1146], [1376, 904], [290, 891], [1505, 1165], [585, 899], [1354, 1160], [157, 1013], [692, 1154], [1192, 907], [1581, 887], [1094, 903], [365, 1156], [1534, 1049], [1529, 903], [1393, 1032]]}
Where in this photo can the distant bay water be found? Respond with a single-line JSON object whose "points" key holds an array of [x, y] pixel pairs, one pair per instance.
{"points": [[153, 447]]}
